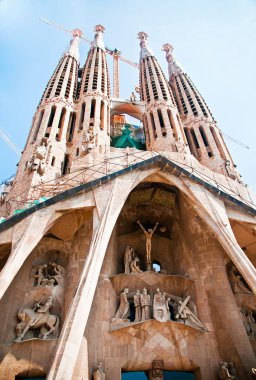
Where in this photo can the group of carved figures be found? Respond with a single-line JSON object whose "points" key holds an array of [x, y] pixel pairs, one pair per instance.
{"points": [[249, 321], [51, 274], [131, 262], [38, 317], [165, 307], [237, 282], [227, 371]]}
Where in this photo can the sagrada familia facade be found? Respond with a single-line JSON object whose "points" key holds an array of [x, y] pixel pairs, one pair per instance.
{"points": [[120, 257]]}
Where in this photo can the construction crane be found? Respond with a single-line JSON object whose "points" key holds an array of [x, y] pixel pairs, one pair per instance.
{"points": [[115, 53], [235, 141], [9, 142]]}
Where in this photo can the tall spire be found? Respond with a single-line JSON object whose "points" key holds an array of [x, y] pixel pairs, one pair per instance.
{"points": [[163, 128], [203, 135], [98, 37], [73, 50], [92, 130], [174, 66], [146, 51]]}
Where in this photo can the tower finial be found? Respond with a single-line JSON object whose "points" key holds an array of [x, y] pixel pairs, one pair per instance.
{"points": [[98, 38], [73, 49], [146, 51], [174, 66]]}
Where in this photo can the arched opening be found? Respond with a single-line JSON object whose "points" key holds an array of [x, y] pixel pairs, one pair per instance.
{"points": [[102, 114], [156, 266], [82, 117], [50, 121], [61, 124]]}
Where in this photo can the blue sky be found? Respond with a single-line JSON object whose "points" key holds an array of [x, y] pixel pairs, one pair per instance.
{"points": [[214, 41]]}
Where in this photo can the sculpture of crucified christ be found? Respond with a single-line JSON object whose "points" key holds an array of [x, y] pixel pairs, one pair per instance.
{"points": [[148, 234]]}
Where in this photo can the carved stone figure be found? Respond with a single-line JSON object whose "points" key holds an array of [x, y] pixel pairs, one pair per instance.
{"points": [[90, 139], [224, 372], [149, 234], [137, 305], [145, 305], [38, 317], [232, 370], [99, 373], [134, 266], [58, 273], [133, 97], [128, 257], [51, 274], [249, 322], [236, 282], [160, 311], [185, 315], [40, 274], [37, 162], [157, 369], [124, 307]]}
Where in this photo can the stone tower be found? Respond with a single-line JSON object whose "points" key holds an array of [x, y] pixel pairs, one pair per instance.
{"points": [[203, 135], [132, 261], [92, 127], [44, 156], [162, 124]]}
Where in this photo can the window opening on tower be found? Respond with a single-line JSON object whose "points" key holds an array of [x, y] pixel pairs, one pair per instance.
{"points": [[102, 112], [61, 124], [92, 112], [153, 125], [71, 126], [50, 121], [161, 121], [82, 117], [65, 164], [194, 138]]}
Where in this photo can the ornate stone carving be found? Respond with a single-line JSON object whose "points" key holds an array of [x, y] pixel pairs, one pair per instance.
{"points": [[249, 322], [124, 308], [227, 371], [137, 305], [128, 257], [134, 266], [51, 274], [37, 162], [185, 315], [145, 305], [99, 373], [160, 311], [149, 234], [157, 369], [237, 283], [89, 141], [38, 317]]}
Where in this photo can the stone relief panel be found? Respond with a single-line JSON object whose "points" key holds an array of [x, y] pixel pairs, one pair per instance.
{"points": [[51, 274], [227, 371], [249, 320], [99, 373], [37, 318], [138, 306], [237, 282]]}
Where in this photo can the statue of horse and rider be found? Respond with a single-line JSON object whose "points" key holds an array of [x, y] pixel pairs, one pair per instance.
{"points": [[38, 317]]}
